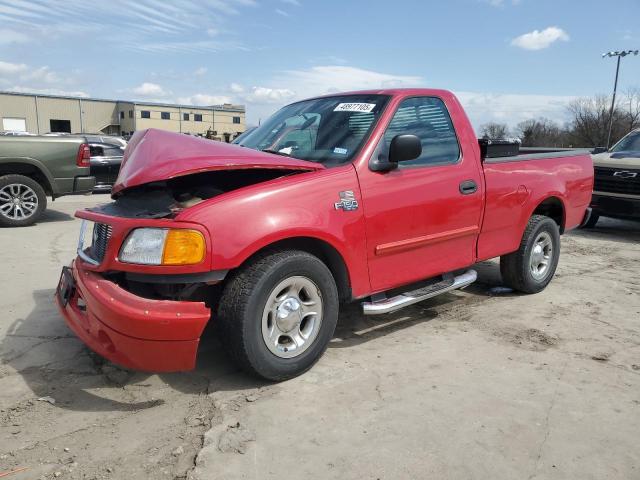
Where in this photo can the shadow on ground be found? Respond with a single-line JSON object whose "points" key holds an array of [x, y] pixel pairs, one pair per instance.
{"points": [[51, 215], [54, 363], [612, 230]]}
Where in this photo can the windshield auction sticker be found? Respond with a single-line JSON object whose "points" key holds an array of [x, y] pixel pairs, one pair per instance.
{"points": [[355, 107]]}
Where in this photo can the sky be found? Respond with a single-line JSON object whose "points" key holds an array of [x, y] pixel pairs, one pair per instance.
{"points": [[507, 60]]}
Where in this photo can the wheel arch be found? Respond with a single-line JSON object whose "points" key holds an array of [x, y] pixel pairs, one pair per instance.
{"points": [[29, 168], [322, 249], [554, 208]]}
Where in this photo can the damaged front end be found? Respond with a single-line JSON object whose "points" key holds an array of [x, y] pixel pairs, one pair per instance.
{"points": [[162, 175], [167, 198], [143, 286]]}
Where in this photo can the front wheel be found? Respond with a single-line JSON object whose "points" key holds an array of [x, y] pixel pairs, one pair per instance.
{"points": [[278, 314], [532, 266]]}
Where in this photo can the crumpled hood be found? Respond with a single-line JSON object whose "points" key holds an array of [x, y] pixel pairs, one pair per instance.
{"points": [[156, 155]]}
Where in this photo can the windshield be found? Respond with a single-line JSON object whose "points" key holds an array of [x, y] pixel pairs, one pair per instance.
{"points": [[328, 130], [630, 143]]}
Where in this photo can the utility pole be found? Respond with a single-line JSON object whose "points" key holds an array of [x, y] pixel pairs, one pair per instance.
{"points": [[619, 55]]}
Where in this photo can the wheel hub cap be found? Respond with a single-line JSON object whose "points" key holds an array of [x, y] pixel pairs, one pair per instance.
{"points": [[541, 256], [292, 317], [17, 201], [288, 314]]}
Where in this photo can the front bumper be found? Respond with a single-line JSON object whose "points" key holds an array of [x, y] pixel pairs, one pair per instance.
{"points": [[131, 331], [616, 206]]}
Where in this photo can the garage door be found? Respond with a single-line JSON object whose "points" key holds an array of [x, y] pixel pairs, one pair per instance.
{"points": [[14, 124]]}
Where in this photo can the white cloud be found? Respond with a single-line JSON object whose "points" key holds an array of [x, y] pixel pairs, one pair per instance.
{"points": [[204, 99], [139, 25], [513, 108], [200, 71], [338, 78], [148, 89], [291, 2], [282, 12], [41, 74], [269, 95], [540, 39], [501, 3], [236, 88], [8, 69], [482, 107], [9, 37], [292, 85], [35, 76], [198, 46]]}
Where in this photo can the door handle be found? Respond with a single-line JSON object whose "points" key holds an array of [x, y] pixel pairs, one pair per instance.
{"points": [[468, 187]]}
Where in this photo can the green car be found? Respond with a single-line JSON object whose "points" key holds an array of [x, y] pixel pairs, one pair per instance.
{"points": [[34, 167]]}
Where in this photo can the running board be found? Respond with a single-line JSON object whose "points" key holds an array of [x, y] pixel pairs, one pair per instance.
{"points": [[392, 304]]}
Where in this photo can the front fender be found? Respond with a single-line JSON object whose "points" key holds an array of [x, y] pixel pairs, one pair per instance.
{"points": [[245, 221]]}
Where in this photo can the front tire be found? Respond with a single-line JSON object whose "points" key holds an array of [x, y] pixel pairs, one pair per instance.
{"points": [[532, 266], [278, 314], [22, 201]]}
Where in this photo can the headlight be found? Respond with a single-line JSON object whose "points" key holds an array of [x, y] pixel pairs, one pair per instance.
{"points": [[163, 246]]}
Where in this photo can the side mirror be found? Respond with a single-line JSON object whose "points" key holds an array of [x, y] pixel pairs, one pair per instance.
{"points": [[401, 149], [404, 147], [598, 150]]}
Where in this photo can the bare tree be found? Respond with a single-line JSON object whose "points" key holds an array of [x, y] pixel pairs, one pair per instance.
{"points": [[630, 106], [590, 117], [494, 131], [541, 132]]}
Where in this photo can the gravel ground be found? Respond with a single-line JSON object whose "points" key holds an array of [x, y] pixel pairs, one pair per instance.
{"points": [[473, 384]]}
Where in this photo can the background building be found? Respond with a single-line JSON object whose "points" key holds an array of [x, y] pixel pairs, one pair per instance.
{"points": [[41, 114]]}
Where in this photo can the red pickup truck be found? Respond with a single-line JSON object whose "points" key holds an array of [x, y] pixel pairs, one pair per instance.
{"points": [[380, 196]]}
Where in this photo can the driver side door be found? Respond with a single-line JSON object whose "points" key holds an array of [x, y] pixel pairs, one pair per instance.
{"points": [[421, 220]]}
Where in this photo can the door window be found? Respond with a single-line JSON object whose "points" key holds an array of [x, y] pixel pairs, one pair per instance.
{"points": [[429, 120]]}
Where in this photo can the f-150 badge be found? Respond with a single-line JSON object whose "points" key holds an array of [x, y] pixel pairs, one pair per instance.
{"points": [[347, 201]]}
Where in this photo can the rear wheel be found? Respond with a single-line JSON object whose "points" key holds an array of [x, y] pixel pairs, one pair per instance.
{"points": [[22, 201], [593, 219], [278, 314], [532, 266]]}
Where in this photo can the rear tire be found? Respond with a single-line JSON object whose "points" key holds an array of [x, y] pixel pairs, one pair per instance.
{"points": [[532, 266], [278, 314], [593, 219], [22, 201]]}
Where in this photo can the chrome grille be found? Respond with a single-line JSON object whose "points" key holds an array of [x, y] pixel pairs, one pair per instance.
{"points": [[94, 252], [99, 241], [607, 181]]}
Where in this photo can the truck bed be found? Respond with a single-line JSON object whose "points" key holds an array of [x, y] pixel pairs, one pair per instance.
{"points": [[564, 176]]}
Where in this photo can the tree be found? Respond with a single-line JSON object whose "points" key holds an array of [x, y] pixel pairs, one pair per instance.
{"points": [[494, 131], [541, 132], [589, 124], [630, 106]]}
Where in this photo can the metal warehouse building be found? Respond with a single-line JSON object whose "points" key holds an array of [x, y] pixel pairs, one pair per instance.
{"points": [[41, 114]]}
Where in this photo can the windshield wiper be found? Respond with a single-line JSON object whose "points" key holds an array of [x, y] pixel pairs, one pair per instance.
{"points": [[276, 152]]}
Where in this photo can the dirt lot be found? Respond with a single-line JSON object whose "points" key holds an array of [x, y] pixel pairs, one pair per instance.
{"points": [[473, 384]]}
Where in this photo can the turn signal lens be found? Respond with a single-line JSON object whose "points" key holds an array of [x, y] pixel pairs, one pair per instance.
{"points": [[183, 247]]}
